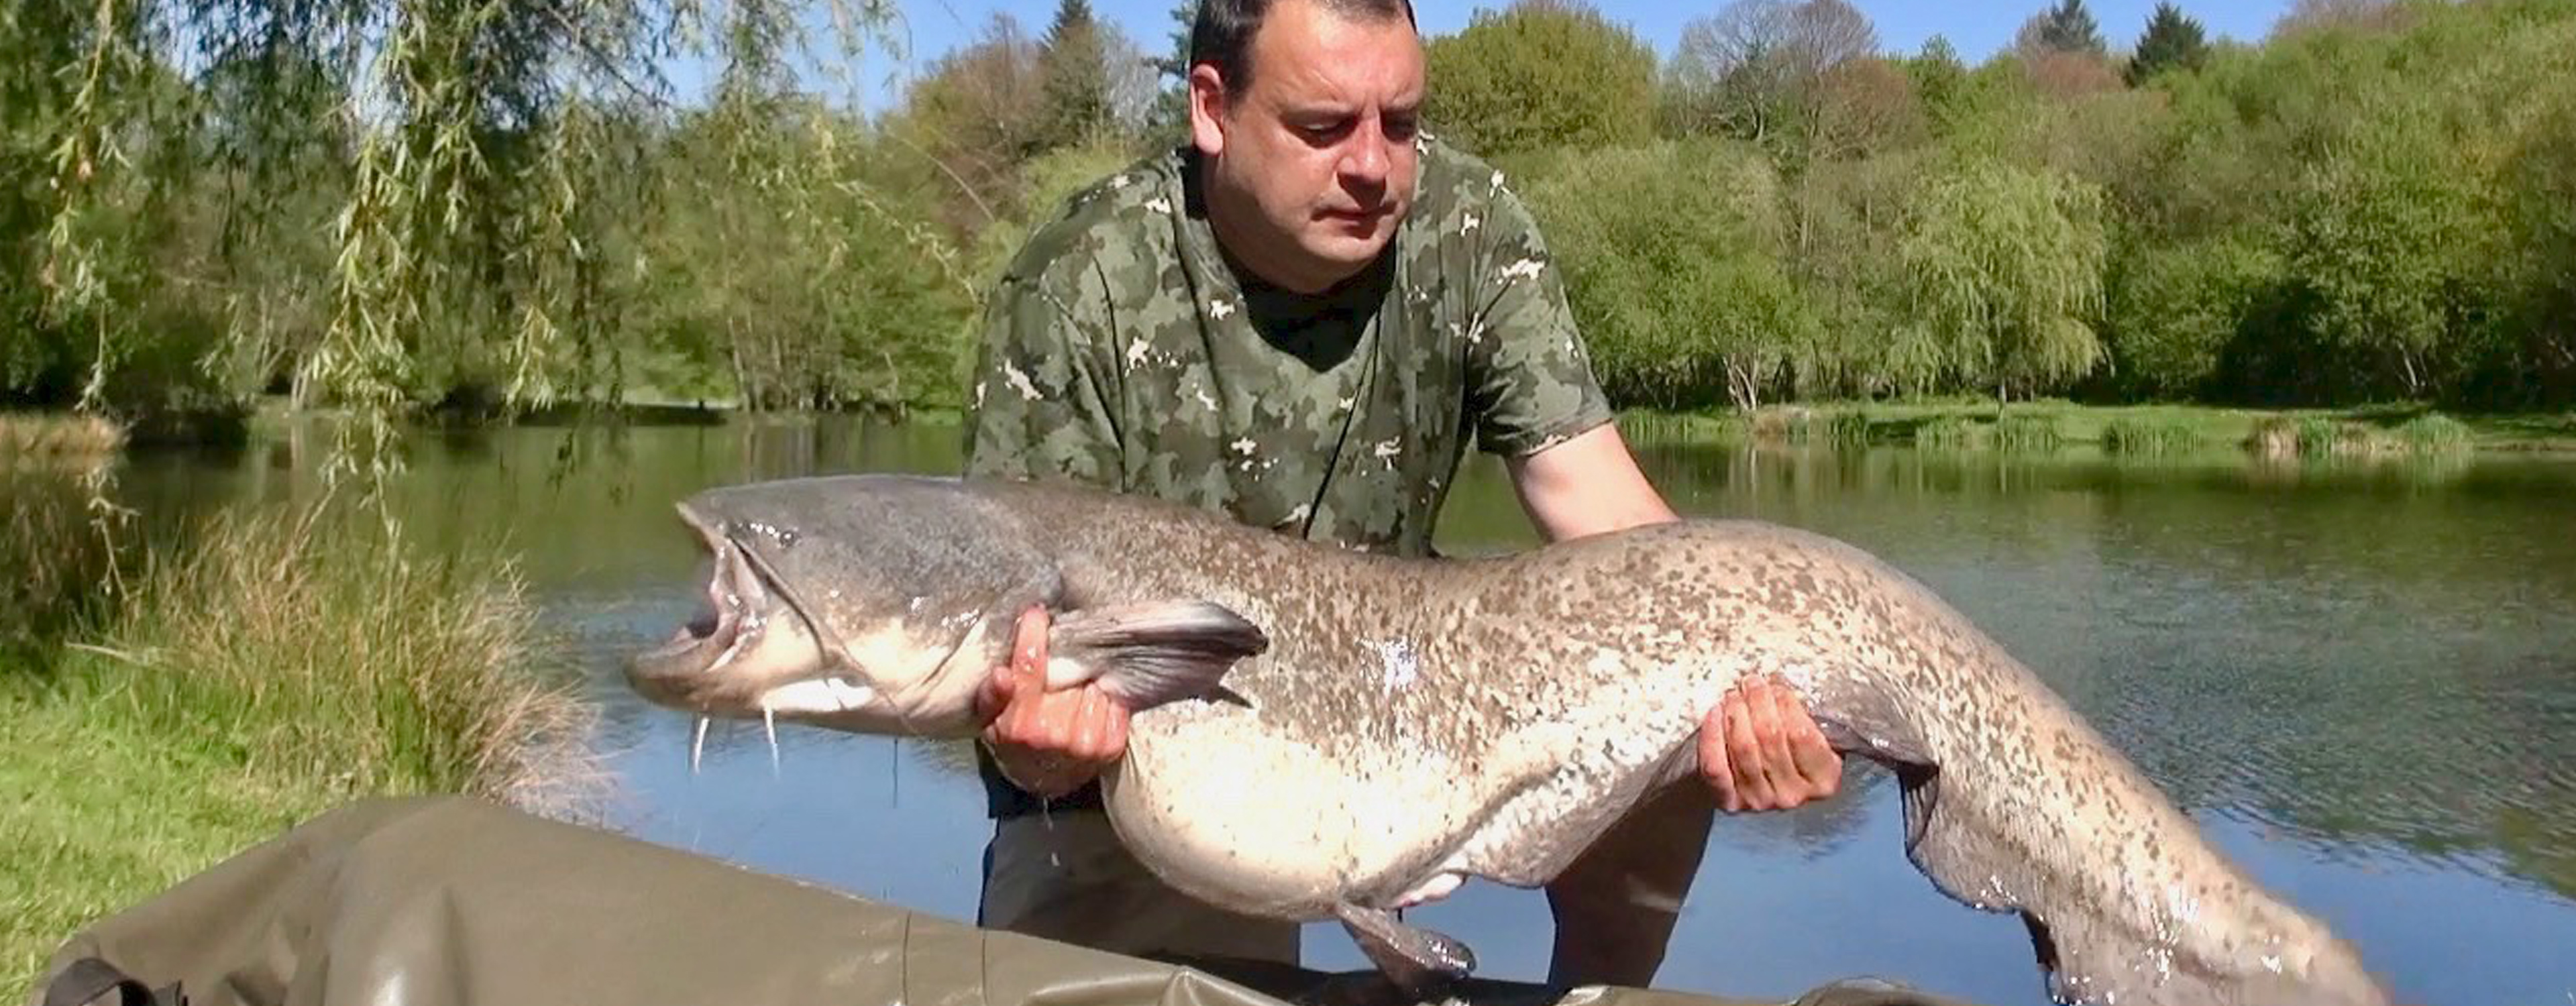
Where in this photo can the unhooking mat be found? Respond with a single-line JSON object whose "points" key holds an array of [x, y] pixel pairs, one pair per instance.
{"points": [[444, 901]]}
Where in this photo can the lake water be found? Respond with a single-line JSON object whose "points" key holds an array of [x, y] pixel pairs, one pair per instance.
{"points": [[2361, 679]]}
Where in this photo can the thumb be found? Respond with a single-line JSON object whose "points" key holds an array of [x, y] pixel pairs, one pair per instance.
{"points": [[1029, 648]]}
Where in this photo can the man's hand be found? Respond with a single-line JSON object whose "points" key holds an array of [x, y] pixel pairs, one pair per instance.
{"points": [[1761, 751], [1048, 743]]}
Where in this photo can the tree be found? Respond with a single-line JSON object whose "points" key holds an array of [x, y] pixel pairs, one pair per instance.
{"points": [[2384, 237], [1672, 255], [1939, 77], [2003, 272], [2172, 40], [1785, 75], [1169, 117], [1542, 73], [1074, 69], [2068, 27], [975, 115]]}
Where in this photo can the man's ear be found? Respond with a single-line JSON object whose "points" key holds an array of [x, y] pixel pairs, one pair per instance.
{"points": [[1207, 109]]}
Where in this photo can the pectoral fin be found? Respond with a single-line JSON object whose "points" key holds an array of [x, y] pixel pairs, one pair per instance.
{"points": [[1150, 653], [1418, 961]]}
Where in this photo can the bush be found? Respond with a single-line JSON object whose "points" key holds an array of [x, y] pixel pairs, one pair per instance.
{"points": [[2173, 310]]}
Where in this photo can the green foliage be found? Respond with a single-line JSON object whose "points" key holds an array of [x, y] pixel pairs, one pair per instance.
{"points": [[2382, 247], [1542, 73], [2003, 271], [1672, 256], [2173, 40], [1075, 81], [2068, 27], [2173, 310], [2371, 204], [1168, 120]]}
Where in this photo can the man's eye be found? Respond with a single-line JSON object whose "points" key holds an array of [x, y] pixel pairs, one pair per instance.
{"points": [[1400, 128]]}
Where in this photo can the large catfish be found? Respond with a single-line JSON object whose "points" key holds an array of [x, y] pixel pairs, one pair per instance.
{"points": [[1322, 733]]}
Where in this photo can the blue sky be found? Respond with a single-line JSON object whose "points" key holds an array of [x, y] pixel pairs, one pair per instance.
{"points": [[932, 27]]}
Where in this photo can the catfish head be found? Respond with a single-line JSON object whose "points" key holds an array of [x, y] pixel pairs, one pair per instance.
{"points": [[878, 604]]}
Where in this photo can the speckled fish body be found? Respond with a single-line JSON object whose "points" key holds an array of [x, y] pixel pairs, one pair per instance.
{"points": [[1385, 728]]}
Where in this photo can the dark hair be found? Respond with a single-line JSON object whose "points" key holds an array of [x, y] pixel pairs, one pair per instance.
{"points": [[1222, 34]]}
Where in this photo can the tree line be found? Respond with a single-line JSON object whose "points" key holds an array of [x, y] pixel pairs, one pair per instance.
{"points": [[436, 204]]}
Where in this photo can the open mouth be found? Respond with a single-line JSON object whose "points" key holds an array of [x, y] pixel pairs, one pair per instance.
{"points": [[729, 612]]}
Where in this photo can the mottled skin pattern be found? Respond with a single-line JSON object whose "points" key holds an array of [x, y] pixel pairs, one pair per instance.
{"points": [[1491, 717]]}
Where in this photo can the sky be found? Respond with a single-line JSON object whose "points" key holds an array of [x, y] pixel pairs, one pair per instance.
{"points": [[929, 28]]}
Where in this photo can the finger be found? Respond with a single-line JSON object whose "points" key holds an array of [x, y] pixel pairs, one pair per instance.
{"points": [[1028, 645], [1819, 766], [1776, 713], [1744, 752], [1713, 761]]}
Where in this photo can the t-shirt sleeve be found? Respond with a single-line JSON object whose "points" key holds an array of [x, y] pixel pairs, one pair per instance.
{"points": [[1038, 406], [1530, 378]]}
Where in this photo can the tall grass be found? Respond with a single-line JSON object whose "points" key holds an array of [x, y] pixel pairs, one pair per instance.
{"points": [[309, 646], [2434, 432], [57, 530], [1951, 432], [2318, 436], [55, 435], [2148, 437], [2029, 431]]}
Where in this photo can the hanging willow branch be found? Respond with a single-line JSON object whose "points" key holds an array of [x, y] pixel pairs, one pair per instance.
{"points": [[469, 148]]}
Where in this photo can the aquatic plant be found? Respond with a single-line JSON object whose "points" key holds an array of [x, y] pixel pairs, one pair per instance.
{"points": [[2147, 437]]}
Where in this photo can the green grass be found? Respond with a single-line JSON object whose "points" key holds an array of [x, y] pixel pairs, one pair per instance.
{"points": [[106, 812], [284, 663]]}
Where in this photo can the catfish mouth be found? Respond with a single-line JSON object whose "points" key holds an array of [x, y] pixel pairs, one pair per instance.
{"points": [[722, 660], [731, 614]]}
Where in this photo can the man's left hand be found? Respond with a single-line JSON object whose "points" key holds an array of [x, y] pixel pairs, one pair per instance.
{"points": [[1761, 751]]}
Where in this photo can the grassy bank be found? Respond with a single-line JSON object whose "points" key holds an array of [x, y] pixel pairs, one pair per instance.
{"points": [[280, 665], [2138, 430]]}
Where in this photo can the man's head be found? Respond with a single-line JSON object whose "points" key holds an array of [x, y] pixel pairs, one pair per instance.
{"points": [[1306, 110]]}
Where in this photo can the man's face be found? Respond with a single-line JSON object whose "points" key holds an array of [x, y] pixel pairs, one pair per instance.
{"points": [[1314, 164]]}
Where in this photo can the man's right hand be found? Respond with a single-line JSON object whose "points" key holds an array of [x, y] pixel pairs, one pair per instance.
{"points": [[1048, 743]]}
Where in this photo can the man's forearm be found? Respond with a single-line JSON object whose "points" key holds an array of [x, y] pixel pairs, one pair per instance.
{"points": [[1589, 484]]}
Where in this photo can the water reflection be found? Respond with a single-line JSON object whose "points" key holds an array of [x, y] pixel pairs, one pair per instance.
{"points": [[2357, 675]]}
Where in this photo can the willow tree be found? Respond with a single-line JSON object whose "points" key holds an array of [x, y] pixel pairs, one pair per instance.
{"points": [[476, 150], [2003, 271]]}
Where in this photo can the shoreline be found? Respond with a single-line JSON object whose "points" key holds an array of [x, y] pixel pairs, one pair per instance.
{"points": [[57, 433]]}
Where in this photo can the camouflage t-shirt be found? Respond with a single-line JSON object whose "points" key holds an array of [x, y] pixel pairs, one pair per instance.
{"points": [[1123, 350]]}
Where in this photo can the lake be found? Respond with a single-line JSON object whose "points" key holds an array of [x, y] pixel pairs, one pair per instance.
{"points": [[2360, 678]]}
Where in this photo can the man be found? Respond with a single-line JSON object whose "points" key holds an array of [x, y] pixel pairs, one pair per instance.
{"points": [[1301, 319]]}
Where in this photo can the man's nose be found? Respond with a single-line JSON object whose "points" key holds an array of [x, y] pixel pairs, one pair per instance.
{"points": [[1366, 161]]}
